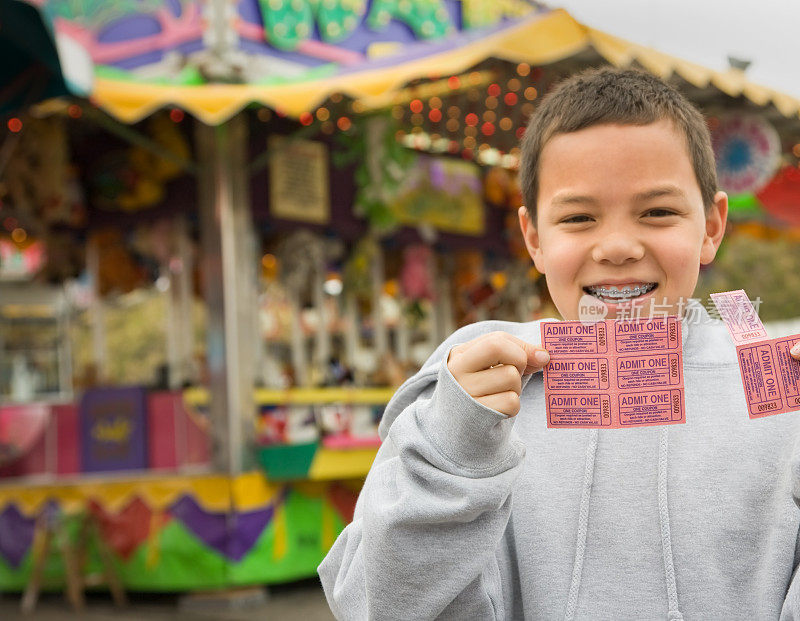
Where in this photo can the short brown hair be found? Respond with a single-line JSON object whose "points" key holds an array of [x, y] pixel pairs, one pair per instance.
{"points": [[621, 96]]}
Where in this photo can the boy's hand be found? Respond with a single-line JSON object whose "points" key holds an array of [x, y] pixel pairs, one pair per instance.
{"points": [[490, 369], [795, 351]]}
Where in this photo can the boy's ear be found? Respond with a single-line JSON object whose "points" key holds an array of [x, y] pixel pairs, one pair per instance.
{"points": [[716, 219], [531, 237]]}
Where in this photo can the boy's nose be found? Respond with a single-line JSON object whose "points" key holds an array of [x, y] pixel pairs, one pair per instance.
{"points": [[617, 248]]}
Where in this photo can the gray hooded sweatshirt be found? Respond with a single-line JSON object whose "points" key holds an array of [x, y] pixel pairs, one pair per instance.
{"points": [[468, 514]]}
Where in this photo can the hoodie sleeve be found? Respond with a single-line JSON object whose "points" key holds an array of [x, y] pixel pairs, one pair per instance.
{"points": [[433, 510], [791, 604]]}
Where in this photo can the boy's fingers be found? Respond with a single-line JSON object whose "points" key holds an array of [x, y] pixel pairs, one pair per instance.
{"points": [[538, 357], [505, 402], [499, 348], [487, 351], [495, 380], [795, 351]]}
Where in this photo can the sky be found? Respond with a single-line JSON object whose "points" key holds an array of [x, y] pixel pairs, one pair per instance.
{"points": [[765, 32]]}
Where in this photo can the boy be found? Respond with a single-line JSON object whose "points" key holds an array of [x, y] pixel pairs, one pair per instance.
{"points": [[471, 511]]}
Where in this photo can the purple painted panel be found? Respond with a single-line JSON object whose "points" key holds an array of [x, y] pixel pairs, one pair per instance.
{"points": [[231, 534], [113, 424], [246, 528], [210, 528], [16, 535]]}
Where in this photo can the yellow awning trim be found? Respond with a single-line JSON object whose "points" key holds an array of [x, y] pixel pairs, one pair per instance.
{"points": [[199, 396], [541, 39], [214, 493], [733, 82]]}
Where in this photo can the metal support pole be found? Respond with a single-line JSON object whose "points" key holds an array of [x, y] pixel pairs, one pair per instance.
{"points": [[351, 329], [444, 303], [322, 341], [65, 387], [434, 333], [183, 284], [97, 315], [171, 324], [228, 266], [379, 331], [180, 324]]}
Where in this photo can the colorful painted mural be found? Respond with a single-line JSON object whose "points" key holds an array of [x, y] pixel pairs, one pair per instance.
{"points": [[291, 55], [280, 40], [178, 533]]}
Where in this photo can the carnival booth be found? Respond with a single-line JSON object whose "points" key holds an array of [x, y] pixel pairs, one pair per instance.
{"points": [[216, 269]]}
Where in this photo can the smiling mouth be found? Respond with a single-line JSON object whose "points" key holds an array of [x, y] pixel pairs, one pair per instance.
{"points": [[614, 295]]}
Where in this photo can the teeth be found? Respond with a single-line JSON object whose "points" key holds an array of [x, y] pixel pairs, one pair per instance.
{"points": [[615, 293]]}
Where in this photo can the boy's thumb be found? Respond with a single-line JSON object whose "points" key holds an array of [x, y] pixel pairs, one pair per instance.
{"points": [[537, 356]]}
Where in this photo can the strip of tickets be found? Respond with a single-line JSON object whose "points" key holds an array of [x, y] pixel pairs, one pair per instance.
{"points": [[614, 374], [770, 376]]}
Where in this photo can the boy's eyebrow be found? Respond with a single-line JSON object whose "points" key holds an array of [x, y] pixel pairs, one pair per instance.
{"points": [[660, 192], [566, 199]]}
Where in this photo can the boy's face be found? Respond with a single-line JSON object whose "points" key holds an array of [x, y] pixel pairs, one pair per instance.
{"points": [[619, 207]]}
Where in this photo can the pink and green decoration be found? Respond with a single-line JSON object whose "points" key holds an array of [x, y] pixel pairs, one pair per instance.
{"points": [[778, 200], [184, 533], [745, 207]]}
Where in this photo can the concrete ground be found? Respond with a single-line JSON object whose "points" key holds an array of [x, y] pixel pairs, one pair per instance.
{"points": [[302, 600]]}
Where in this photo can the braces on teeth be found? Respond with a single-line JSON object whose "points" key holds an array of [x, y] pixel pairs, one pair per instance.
{"points": [[625, 292]]}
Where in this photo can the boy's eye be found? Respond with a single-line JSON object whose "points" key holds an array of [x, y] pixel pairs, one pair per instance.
{"points": [[576, 219], [659, 213]]}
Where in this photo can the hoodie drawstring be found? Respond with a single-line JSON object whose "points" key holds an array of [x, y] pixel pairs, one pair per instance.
{"points": [[583, 522], [674, 613]]}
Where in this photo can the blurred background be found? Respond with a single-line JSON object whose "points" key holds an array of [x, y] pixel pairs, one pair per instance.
{"points": [[229, 229]]}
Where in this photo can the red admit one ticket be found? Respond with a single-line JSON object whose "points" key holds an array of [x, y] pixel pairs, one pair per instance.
{"points": [[614, 374], [770, 376]]}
